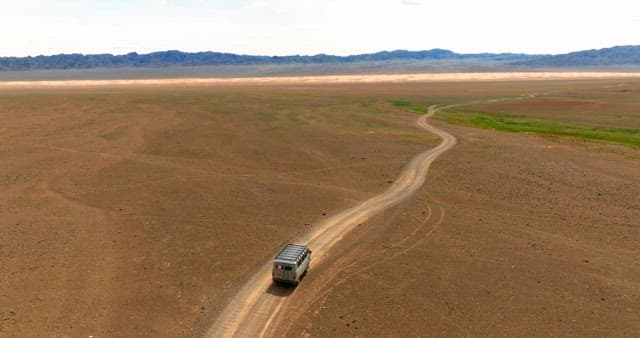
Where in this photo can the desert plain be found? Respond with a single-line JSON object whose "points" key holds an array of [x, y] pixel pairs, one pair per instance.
{"points": [[136, 209]]}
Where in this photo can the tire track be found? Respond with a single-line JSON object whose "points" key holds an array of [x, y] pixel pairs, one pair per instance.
{"points": [[365, 263], [258, 302]]}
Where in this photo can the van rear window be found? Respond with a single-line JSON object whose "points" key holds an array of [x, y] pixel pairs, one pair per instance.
{"points": [[288, 268]]}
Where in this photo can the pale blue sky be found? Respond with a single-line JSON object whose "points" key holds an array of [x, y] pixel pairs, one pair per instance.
{"points": [[279, 27]]}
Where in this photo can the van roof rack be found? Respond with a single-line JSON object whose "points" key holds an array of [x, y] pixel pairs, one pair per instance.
{"points": [[291, 253]]}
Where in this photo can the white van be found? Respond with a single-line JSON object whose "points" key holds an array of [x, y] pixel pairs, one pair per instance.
{"points": [[291, 264]]}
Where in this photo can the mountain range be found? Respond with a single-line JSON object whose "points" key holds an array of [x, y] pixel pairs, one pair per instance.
{"points": [[607, 57]]}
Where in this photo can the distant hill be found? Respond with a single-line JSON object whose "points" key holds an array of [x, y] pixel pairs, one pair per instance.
{"points": [[614, 56], [177, 58], [621, 55]]}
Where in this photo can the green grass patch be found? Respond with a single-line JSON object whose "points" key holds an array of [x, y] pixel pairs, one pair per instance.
{"points": [[400, 103], [409, 107], [516, 123]]}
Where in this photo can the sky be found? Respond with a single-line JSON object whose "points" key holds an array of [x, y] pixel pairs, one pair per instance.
{"points": [[288, 27]]}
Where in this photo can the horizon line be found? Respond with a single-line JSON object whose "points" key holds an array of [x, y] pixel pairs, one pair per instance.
{"points": [[306, 55]]}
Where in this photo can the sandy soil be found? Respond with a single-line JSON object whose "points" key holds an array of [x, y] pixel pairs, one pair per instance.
{"points": [[266, 310], [513, 235], [332, 79], [255, 309], [612, 105], [138, 211], [133, 213]]}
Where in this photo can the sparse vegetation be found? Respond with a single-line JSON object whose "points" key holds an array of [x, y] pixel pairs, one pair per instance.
{"points": [[180, 175], [159, 197], [515, 123], [410, 108]]}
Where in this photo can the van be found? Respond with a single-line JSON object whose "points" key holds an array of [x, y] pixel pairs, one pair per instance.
{"points": [[291, 264]]}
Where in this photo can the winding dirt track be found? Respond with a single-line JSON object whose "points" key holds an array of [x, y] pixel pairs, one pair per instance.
{"points": [[257, 304]]}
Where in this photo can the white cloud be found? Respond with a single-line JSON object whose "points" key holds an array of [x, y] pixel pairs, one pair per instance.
{"points": [[276, 27], [258, 4]]}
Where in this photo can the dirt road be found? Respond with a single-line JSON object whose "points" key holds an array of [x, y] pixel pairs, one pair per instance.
{"points": [[257, 304]]}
